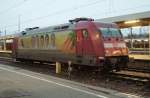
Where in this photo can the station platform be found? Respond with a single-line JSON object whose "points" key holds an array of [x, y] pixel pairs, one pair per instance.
{"points": [[5, 51], [139, 57]]}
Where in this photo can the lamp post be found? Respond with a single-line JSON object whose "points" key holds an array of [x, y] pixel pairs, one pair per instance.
{"points": [[131, 35], [19, 23], [0, 33]]}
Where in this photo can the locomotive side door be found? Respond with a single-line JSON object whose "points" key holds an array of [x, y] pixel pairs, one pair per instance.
{"points": [[87, 43], [83, 44], [79, 43]]}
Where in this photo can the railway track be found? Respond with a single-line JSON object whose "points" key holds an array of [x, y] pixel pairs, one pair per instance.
{"points": [[139, 66], [122, 81], [143, 70], [132, 76], [131, 73], [129, 69]]}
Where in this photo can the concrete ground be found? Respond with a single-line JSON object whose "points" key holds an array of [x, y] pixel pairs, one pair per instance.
{"points": [[19, 83]]}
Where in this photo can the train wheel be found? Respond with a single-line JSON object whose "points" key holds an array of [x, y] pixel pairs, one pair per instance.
{"points": [[18, 60], [122, 63], [106, 67]]}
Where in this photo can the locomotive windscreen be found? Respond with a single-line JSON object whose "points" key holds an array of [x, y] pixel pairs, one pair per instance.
{"points": [[110, 32]]}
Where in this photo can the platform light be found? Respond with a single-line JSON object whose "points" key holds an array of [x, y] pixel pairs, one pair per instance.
{"points": [[136, 27], [131, 21]]}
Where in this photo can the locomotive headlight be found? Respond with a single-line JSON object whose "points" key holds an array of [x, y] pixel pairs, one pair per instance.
{"points": [[127, 50], [101, 58], [116, 52], [97, 36], [107, 52]]}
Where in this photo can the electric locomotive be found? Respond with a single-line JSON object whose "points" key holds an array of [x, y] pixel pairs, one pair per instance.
{"points": [[82, 41]]}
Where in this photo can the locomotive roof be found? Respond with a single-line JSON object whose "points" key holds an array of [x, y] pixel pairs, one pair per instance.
{"points": [[61, 27]]}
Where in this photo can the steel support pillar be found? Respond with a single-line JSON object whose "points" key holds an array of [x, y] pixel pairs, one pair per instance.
{"points": [[58, 67]]}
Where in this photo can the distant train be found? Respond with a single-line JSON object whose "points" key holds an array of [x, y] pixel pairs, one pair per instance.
{"points": [[138, 42], [82, 42], [138, 45], [8, 40]]}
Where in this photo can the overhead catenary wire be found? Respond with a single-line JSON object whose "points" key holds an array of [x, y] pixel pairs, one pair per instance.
{"points": [[57, 12], [71, 9], [16, 5], [60, 12], [64, 11]]}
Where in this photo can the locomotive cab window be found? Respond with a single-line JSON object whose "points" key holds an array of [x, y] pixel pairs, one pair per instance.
{"points": [[116, 32], [85, 34], [110, 32]]}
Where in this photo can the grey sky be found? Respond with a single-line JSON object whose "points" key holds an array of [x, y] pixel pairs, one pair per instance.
{"points": [[51, 12]]}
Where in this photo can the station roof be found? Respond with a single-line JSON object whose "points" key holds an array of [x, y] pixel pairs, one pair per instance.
{"points": [[6, 37], [143, 17]]}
